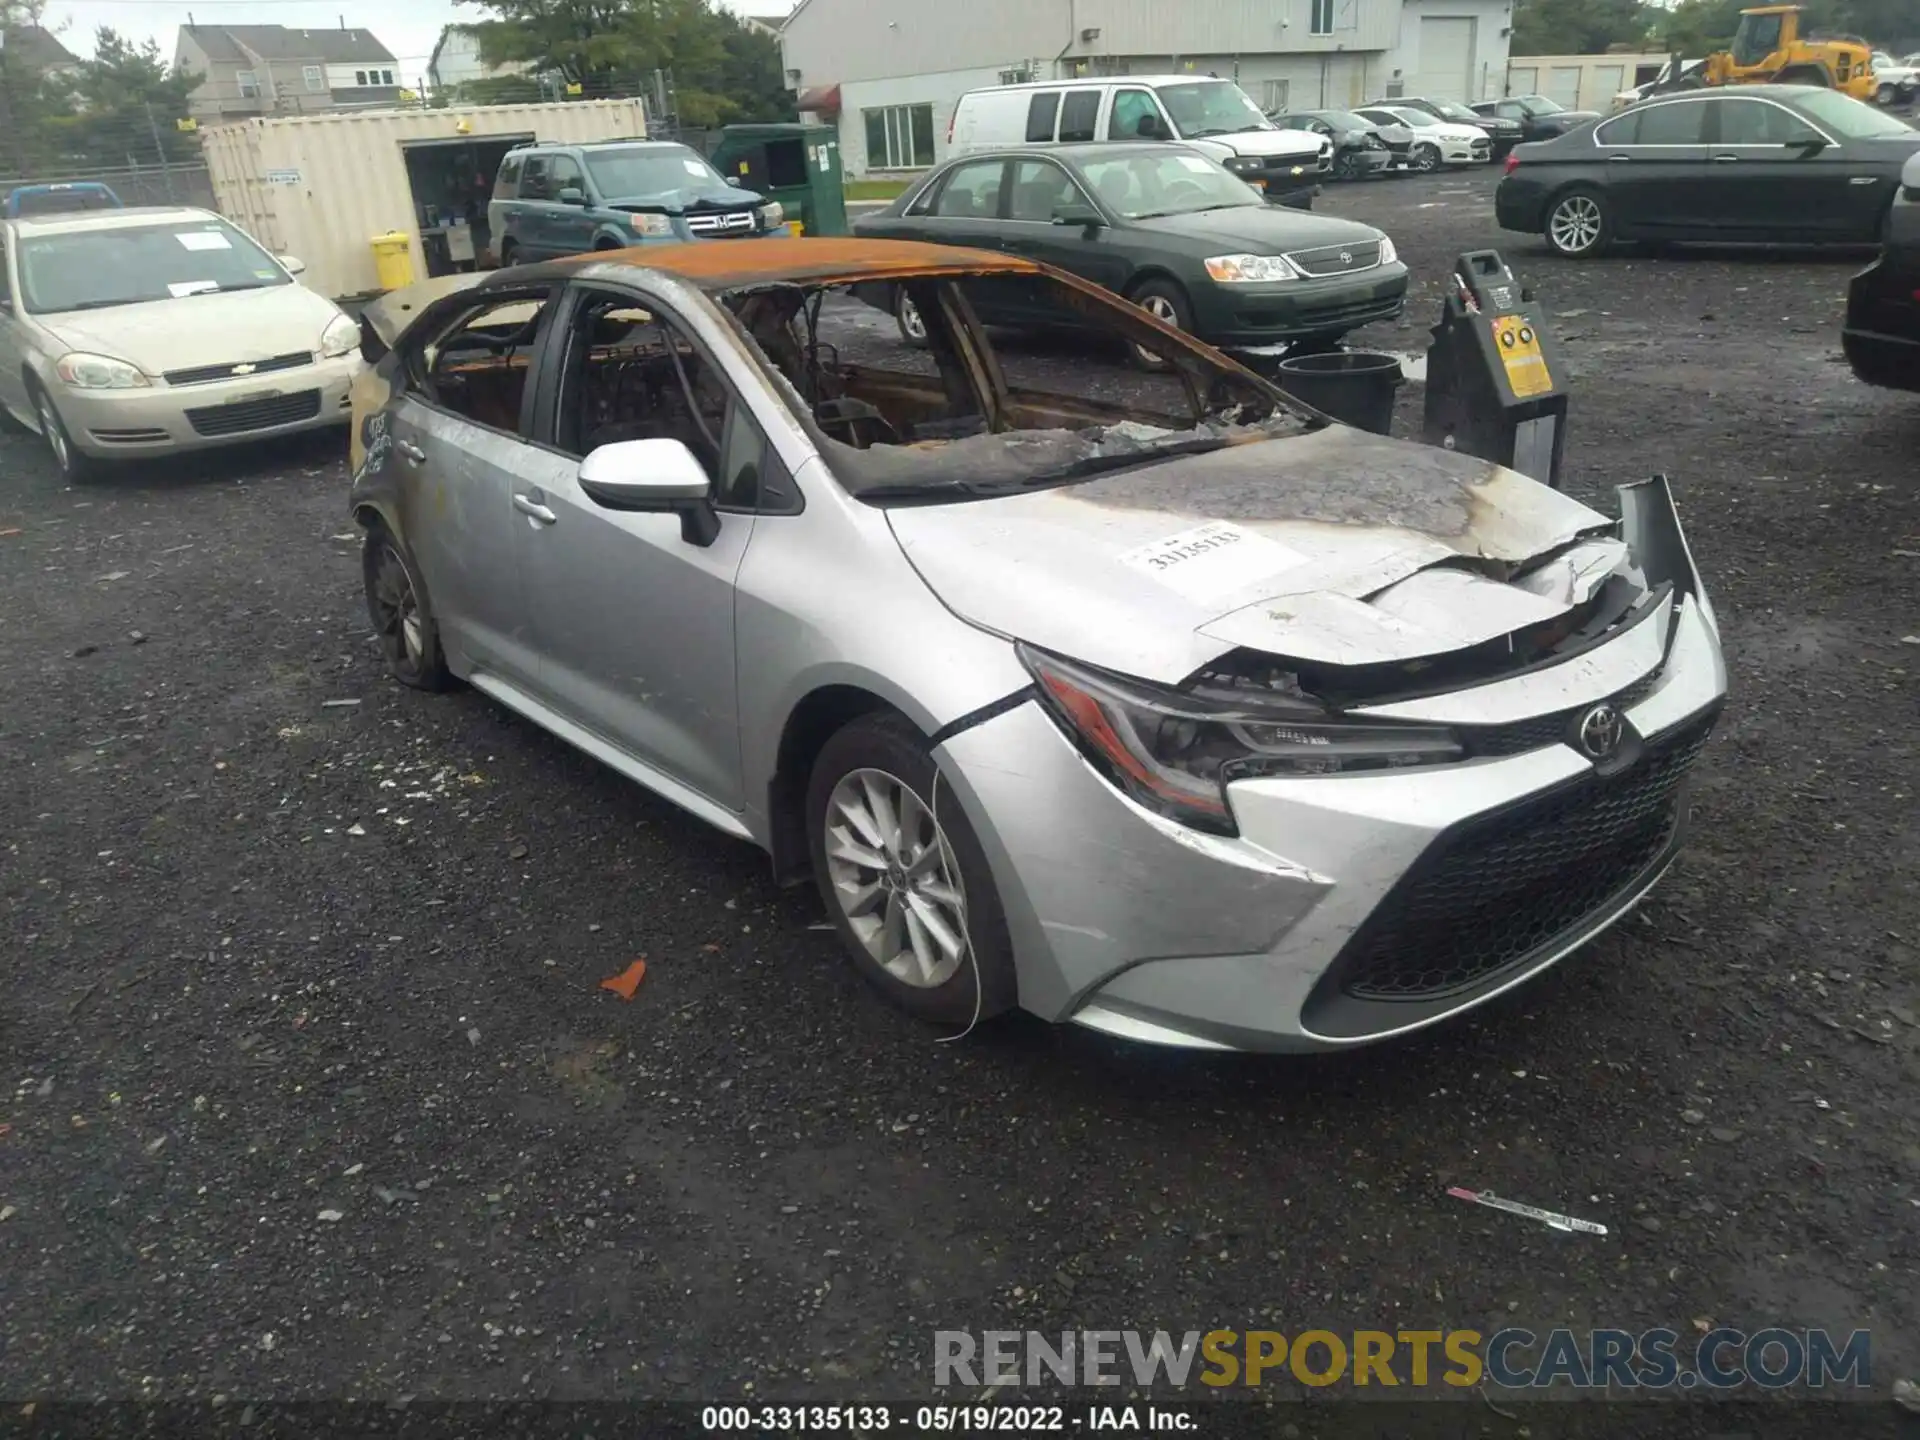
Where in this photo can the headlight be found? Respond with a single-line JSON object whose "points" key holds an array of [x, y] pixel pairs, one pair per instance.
{"points": [[341, 337], [1387, 253], [771, 215], [1244, 164], [1250, 269], [1175, 751], [99, 372], [650, 226]]}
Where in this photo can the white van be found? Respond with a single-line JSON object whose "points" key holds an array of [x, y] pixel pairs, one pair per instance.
{"points": [[1213, 116]]}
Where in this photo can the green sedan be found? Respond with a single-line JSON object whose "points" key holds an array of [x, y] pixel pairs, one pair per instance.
{"points": [[1164, 226]]}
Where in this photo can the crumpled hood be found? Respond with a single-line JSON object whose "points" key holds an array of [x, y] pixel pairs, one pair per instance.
{"points": [[214, 329], [1334, 547]]}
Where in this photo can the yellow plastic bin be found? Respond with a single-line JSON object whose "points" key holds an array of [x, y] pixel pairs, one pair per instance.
{"points": [[391, 260]]}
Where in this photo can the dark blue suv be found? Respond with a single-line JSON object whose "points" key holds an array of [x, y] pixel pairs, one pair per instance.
{"points": [[562, 199]]}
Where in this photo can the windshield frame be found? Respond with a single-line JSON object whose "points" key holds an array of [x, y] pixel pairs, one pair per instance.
{"points": [[915, 474], [1257, 119], [678, 156], [1885, 126], [248, 252], [1539, 105]]}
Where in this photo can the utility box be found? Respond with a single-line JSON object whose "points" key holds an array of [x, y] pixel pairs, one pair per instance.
{"points": [[1493, 377], [798, 165]]}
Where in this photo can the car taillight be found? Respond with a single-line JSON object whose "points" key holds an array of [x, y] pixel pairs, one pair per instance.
{"points": [[1513, 161]]}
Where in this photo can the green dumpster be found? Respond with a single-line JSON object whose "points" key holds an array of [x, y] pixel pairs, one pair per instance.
{"points": [[798, 165]]}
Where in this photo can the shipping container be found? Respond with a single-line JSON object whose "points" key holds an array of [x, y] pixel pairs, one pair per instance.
{"points": [[321, 187], [1580, 82]]}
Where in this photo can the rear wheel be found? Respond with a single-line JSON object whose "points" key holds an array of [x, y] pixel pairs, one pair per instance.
{"points": [[904, 879], [1167, 303], [1886, 95], [1579, 224], [402, 621]]}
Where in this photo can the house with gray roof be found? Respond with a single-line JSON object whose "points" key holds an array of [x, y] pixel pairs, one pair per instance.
{"points": [[280, 70], [34, 48]]}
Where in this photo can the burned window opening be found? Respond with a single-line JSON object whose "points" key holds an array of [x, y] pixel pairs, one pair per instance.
{"points": [[972, 410]]}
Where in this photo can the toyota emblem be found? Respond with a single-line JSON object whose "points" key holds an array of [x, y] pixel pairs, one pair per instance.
{"points": [[1346, 257], [1601, 730]]}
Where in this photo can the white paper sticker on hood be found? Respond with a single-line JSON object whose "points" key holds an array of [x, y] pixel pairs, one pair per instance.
{"points": [[1211, 560]]}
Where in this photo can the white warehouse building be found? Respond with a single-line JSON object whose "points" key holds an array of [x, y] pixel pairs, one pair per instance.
{"points": [[889, 72]]}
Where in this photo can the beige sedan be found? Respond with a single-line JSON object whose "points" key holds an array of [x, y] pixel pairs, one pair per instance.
{"points": [[141, 332]]}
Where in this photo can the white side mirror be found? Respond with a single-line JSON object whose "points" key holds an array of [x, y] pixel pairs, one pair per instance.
{"points": [[293, 264], [653, 477]]}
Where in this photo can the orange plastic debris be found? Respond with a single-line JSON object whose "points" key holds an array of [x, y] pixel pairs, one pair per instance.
{"points": [[14, 531], [627, 981]]}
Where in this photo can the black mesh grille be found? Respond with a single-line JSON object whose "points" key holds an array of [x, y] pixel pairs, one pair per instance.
{"points": [[203, 374], [1498, 890], [1336, 259], [1539, 731], [255, 414]]}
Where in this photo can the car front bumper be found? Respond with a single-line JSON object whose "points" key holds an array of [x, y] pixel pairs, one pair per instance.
{"points": [[1243, 316], [1362, 163], [1349, 908], [165, 418], [1882, 333]]}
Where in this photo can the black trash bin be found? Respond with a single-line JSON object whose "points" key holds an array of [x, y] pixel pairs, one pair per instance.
{"points": [[1355, 386]]}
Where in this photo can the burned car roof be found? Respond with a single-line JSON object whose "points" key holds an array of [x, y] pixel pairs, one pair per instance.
{"points": [[814, 260]]}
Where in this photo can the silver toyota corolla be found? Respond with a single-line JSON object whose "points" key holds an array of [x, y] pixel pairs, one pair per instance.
{"points": [[1188, 715]]}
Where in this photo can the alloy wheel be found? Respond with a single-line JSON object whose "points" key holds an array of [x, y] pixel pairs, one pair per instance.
{"points": [[396, 609], [912, 326], [55, 433], [1426, 158], [893, 874], [1575, 224], [1162, 309]]}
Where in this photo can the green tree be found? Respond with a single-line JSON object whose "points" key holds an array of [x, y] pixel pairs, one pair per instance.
{"points": [[122, 99], [30, 100], [751, 76], [1578, 27]]}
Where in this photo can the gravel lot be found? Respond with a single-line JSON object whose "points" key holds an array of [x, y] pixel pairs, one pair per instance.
{"points": [[312, 1089]]}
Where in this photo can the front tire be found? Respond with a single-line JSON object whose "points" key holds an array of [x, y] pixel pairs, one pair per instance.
{"points": [[1426, 158], [1167, 303], [909, 321], [1886, 96], [402, 620], [75, 468], [904, 880], [1579, 225]]}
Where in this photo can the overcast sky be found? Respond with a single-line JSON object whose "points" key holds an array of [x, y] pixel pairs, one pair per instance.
{"points": [[407, 27]]}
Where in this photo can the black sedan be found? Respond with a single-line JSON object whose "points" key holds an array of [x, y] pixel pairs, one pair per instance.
{"points": [[1164, 226], [1770, 164], [1538, 117], [1882, 335], [1360, 147], [1503, 132]]}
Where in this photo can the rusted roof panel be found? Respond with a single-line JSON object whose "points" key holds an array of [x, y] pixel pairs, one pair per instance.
{"points": [[719, 265]]}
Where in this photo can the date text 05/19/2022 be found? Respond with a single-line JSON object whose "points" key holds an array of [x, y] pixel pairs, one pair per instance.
{"points": [[857, 1420]]}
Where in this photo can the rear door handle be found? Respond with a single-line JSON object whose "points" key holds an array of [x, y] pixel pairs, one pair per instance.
{"points": [[413, 452], [1725, 159], [1619, 157], [532, 508]]}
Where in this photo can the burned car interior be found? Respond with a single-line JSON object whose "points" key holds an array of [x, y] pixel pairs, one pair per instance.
{"points": [[959, 424]]}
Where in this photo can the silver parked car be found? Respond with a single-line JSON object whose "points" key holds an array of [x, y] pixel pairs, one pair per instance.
{"points": [[1204, 721], [132, 333]]}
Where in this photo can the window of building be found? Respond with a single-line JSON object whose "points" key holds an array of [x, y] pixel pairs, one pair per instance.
{"points": [[1274, 95], [314, 78], [1016, 77], [899, 137], [1078, 114], [249, 86], [386, 77], [360, 78], [1321, 20]]}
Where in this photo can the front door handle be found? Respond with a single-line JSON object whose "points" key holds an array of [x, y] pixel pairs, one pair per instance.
{"points": [[1725, 159], [1619, 157], [413, 452], [533, 509]]}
